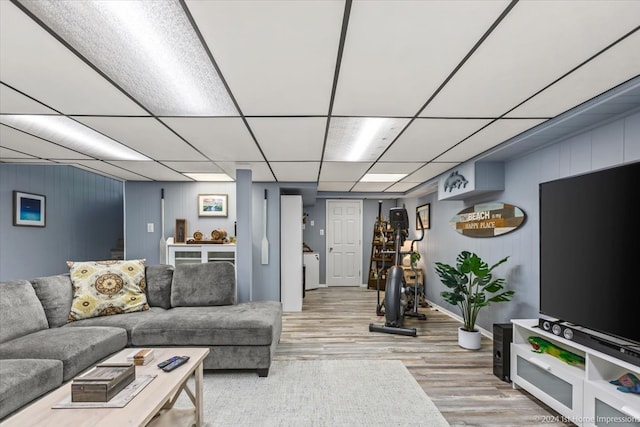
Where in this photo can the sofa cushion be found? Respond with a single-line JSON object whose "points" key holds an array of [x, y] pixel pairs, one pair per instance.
{"points": [[20, 310], [55, 294], [251, 323], [126, 321], [22, 380], [103, 288], [159, 279], [196, 285], [77, 348]]}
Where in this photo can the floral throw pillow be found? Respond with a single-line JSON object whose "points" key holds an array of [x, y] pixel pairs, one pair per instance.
{"points": [[103, 288]]}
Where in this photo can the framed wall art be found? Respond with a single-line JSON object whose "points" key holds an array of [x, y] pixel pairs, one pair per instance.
{"points": [[181, 231], [424, 212], [212, 205], [29, 209]]}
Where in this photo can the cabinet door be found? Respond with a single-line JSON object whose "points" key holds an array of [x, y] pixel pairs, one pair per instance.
{"points": [[184, 256], [552, 381], [605, 406]]}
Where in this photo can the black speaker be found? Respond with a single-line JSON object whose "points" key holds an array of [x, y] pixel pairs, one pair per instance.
{"points": [[502, 337]]}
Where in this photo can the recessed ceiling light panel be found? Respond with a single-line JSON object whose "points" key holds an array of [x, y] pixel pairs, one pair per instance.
{"points": [[209, 177], [356, 139], [71, 134], [149, 48], [383, 177]]}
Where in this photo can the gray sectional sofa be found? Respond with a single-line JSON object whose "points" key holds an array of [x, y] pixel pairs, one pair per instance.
{"points": [[191, 306]]}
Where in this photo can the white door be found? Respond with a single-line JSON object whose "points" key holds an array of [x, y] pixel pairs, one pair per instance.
{"points": [[344, 242]]}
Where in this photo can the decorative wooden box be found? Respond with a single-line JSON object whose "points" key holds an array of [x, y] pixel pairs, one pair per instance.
{"points": [[102, 382]]}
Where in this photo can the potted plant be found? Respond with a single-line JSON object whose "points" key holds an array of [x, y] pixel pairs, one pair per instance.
{"points": [[471, 287], [415, 257]]}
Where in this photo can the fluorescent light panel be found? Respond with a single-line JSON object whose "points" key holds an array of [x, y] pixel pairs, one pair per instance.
{"points": [[71, 134], [383, 177], [217, 177], [354, 139], [149, 48]]}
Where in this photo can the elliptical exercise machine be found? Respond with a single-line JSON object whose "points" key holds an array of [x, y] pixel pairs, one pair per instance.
{"points": [[395, 295]]}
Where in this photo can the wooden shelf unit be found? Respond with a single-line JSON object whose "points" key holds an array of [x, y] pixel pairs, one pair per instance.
{"points": [[382, 254]]}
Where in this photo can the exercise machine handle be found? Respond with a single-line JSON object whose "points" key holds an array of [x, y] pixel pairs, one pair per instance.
{"points": [[421, 230]]}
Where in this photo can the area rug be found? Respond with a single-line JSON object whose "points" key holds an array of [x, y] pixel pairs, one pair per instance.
{"points": [[319, 393]]}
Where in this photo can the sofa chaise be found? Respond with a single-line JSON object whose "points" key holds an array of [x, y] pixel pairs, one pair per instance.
{"points": [[193, 305]]}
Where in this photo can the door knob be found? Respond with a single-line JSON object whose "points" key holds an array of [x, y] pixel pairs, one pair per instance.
{"points": [[330, 250]]}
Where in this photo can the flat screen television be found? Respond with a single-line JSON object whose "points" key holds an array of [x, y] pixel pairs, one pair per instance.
{"points": [[590, 251]]}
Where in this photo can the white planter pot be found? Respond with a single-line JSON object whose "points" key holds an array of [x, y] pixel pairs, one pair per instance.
{"points": [[469, 340]]}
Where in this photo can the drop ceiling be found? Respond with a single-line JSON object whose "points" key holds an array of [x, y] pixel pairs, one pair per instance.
{"points": [[443, 81]]}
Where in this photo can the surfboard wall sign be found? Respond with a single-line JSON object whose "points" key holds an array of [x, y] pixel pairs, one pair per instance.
{"points": [[488, 220]]}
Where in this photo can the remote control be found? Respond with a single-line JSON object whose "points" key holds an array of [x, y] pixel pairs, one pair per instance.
{"points": [[166, 362], [173, 365]]}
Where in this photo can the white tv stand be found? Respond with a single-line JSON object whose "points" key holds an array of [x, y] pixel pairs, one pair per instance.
{"points": [[582, 395]]}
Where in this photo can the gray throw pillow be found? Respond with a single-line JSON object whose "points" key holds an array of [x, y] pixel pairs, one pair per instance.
{"points": [[212, 283], [55, 294], [21, 312]]}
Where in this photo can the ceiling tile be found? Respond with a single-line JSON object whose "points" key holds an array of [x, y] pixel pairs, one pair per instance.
{"points": [[144, 134], [536, 42], [426, 139], [360, 138], [29, 161], [487, 138], [295, 171], [616, 65], [400, 187], [23, 142], [371, 186], [8, 155], [429, 171], [150, 49], [278, 57], [260, 171], [291, 138], [335, 186], [397, 53], [395, 167], [194, 167], [218, 138], [13, 102], [107, 169], [152, 170], [34, 62], [343, 171]]}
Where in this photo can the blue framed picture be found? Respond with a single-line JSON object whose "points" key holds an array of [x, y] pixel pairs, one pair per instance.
{"points": [[29, 210]]}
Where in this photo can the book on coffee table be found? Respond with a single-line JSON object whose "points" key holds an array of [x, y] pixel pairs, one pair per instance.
{"points": [[141, 357], [102, 382]]}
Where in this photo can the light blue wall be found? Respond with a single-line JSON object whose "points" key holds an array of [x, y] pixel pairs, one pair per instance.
{"points": [[606, 146], [244, 245], [84, 219], [142, 204], [266, 278]]}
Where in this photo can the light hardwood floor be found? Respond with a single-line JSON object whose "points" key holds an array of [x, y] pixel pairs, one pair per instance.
{"points": [[334, 324]]}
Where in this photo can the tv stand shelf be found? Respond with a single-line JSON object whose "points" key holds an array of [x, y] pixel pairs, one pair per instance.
{"points": [[581, 394]]}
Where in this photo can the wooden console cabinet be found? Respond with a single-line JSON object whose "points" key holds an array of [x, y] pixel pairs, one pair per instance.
{"points": [[583, 395]]}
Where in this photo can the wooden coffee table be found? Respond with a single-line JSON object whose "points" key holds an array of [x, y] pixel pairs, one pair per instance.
{"points": [[153, 406]]}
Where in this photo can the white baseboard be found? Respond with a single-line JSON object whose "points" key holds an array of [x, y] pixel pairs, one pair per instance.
{"points": [[483, 331]]}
